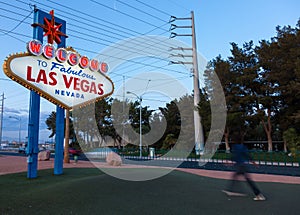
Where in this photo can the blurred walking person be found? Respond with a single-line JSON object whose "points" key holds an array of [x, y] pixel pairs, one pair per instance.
{"points": [[241, 157]]}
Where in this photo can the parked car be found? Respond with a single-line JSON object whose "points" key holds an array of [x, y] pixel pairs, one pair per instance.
{"points": [[22, 150], [73, 151]]}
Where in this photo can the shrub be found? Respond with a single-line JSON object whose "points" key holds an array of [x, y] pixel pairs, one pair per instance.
{"points": [[292, 139]]}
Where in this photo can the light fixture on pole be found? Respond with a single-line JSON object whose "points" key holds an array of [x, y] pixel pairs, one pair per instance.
{"points": [[140, 99], [19, 119]]}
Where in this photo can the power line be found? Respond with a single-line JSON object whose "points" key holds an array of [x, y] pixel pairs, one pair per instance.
{"points": [[97, 26], [13, 12], [136, 62], [101, 33], [46, 5], [92, 17], [154, 100], [141, 11], [103, 44], [90, 30], [5, 79], [17, 20], [132, 50], [129, 31], [178, 5], [14, 28], [9, 34], [144, 64], [89, 15], [154, 8], [119, 58], [150, 46], [126, 14], [15, 6], [13, 36], [84, 36], [97, 42], [144, 79], [136, 69]]}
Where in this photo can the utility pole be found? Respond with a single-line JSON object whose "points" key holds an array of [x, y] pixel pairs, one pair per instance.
{"points": [[1, 123], [123, 107], [140, 100], [199, 136]]}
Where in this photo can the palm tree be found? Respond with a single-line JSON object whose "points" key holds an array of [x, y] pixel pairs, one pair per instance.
{"points": [[51, 123]]}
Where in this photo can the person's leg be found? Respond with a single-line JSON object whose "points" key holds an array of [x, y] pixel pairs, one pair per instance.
{"points": [[233, 182], [239, 171], [258, 195], [251, 183]]}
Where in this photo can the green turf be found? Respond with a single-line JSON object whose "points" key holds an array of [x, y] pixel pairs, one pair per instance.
{"points": [[89, 191]]}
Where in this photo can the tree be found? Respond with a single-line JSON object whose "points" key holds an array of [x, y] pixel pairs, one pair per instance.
{"points": [[205, 112], [235, 74], [104, 121], [186, 138], [157, 122], [221, 68], [179, 134], [51, 125], [85, 125], [134, 120], [280, 64], [245, 70], [169, 142], [172, 116]]}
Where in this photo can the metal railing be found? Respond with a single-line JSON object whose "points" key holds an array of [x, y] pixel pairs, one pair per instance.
{"points": [[276, 158]]}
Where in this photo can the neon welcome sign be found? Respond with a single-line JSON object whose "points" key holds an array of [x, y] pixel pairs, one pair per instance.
{"points": [[60, 75]]}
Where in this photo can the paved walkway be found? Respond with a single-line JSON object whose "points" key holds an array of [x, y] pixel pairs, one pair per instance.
{"points": [[14, 164]]}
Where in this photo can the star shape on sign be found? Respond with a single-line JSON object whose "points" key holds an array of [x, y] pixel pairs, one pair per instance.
{"points": [[51, 30]]}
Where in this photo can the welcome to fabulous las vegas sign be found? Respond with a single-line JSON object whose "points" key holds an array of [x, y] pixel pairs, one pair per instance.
{"points": [[63, 77]]}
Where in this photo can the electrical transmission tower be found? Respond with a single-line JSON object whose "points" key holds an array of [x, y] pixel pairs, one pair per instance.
{"points": [[199, 136]]}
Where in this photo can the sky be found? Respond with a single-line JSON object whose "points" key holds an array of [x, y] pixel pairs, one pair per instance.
{"points": [[95, 26]]}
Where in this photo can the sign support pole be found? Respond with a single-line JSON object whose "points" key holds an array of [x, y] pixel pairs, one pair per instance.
{"points": [[59, 141], [34, 111], [60, 124], [34, 117], [42, 75]]}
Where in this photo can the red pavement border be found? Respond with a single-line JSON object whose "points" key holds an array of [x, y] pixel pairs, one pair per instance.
{"points": [[14, 164]]}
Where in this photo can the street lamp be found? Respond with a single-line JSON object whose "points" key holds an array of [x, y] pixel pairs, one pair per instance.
{"points": [[19, 119], [140, 99]]}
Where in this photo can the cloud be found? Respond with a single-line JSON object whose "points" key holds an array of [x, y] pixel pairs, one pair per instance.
{"points": [[11, 126], [11, 111], [11, 123], [14, 135], [24, 110]]}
